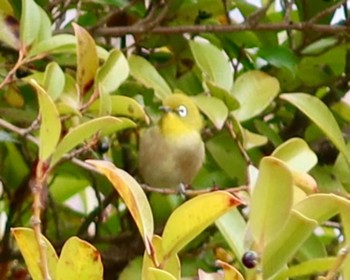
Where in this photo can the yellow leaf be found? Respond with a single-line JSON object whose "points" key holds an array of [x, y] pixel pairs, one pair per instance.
{"points": [[28, 246], [171, 265], [79, 260], [192, 217], [133, 196]]}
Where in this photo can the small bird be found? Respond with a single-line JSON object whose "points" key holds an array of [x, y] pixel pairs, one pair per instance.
{"points": [[172, 152]]}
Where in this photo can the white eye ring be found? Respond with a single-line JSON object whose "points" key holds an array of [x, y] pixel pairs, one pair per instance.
{"points": [[182, 111]]}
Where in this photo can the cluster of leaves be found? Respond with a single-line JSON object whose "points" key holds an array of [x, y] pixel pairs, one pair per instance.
{"points": [[267, 96]]}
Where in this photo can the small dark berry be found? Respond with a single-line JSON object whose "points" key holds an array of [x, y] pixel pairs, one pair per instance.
{"points": [[22, 73], [250, 259], [103, 147]]}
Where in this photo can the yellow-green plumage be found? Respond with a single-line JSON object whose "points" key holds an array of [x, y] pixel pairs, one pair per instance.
{"points": [[172, 152]]}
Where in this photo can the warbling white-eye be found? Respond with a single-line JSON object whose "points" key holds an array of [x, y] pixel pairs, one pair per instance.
{"points": [[172, 152]]}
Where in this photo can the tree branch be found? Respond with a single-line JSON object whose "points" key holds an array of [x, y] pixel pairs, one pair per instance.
{"points": [[282, 26]]}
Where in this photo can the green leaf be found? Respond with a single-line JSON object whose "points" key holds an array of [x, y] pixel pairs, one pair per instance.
{"points": [[193, 217], [253, 140], [28, 245], [321, 207], [79, 260], [87, 57], [227, 154], [318, 112], [123, 106], [311, 267], [297, 154], [296, 230], [80, 133], [230, 101], [213, 108], [233, 228], [254, 90], [319, 70], [114, 71], [55, 44], [213, 63], [50, 128], [271, 201], [44, 32], [145, 73], [159, 274], [133, 196], [265, 129], [54, 80], [30, 22], [319, 46], [280, 57]]}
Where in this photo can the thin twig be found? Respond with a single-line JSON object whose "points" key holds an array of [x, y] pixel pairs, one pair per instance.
{"points": [[255, 17], [191, 193], [38, 184], [13, 70], [343, 254], [326, 12]]}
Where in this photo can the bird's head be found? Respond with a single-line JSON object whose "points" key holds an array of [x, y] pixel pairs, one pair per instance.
{"points": [[181, 115]]}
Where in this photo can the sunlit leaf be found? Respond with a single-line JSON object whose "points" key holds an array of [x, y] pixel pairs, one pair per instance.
{"points": [[145, 73], [233, 228], [193, 217], [123, 106], [255, 90], [28, 245], [321, 207], [30, 22], [213, 63], [171, 264], [159, 274], [230, 101], [213, 108], [114, 71], [87, 57], [297, 154], [79, 260], [85, 130], [133, 196], [318, 112], [50, 128], [253, 140], [319, 265], [271, 200], [45, 31], [54, 80], [230, 272], [297, 229]]}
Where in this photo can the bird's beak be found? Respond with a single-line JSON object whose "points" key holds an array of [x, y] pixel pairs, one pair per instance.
{"points": [[165, 109]]}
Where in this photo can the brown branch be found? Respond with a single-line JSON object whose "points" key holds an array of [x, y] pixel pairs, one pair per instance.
{"points": [[282, 26], [191, 193], [326, 12], [255, 17]]}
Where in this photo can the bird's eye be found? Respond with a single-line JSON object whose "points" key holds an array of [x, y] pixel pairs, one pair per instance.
{"points": [[182, 111]]}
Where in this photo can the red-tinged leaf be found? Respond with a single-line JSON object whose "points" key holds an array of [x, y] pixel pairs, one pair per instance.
{"points": [[79, 260], [87, 59]]}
